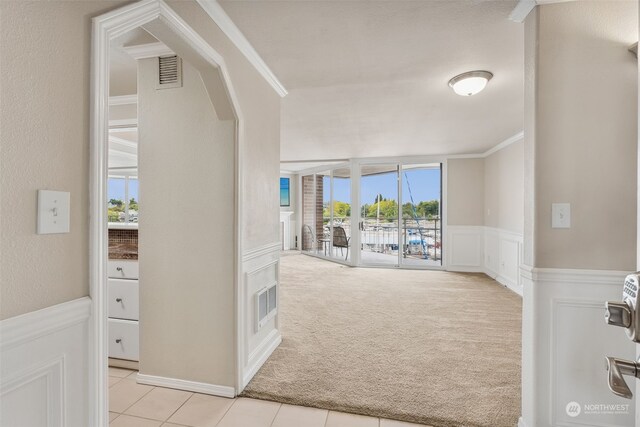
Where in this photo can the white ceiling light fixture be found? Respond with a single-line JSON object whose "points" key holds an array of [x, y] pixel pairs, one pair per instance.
{"points": [[470, 83]]}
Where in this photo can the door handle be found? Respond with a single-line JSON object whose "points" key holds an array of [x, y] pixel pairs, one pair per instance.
{"points": [[618, 368]]}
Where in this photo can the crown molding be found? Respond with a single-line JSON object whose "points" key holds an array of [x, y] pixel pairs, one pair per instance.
{"points": [[504, 144], [148, 50], [524, 7], [222, 20], [123, 100]]}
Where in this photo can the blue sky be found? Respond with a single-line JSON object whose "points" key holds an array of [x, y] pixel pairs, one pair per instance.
{"points": [[425, 185], [115, 189]]}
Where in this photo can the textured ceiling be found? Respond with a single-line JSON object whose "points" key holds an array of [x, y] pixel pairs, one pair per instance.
{"points": [[369, 78]]}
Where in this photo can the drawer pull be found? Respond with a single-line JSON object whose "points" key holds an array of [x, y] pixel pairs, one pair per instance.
{"points": [[118, 340], [118, 268], [118, 299]]}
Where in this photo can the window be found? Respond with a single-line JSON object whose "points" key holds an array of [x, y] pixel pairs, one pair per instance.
{"points": [[285, 199], [122, 194]]}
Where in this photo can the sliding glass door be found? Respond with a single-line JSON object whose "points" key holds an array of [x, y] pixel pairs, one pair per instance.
{"points": [[421, 226], [400, 213], [326, 214], [339, 209], [379, 215], [399, 208]]}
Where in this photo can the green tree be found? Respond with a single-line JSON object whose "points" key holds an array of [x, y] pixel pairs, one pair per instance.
{"points": [[133, 205], [428, 209], [341, 209], [407, 210], [116, 203], [388, 209], [113, 215]]}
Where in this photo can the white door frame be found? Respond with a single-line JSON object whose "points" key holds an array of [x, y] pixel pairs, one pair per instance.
{"points": [[106, 27]]}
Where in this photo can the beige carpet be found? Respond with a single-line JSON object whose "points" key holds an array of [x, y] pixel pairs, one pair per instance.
{"points": [[431, 347]]}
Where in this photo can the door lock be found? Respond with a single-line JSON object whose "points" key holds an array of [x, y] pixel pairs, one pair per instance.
{"points": [[618, 314], [626, 313]]}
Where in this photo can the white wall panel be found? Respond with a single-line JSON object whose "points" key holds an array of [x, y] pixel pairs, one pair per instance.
{"points": [[464, 248], [565, 341], [261, 270], [44, 362]]}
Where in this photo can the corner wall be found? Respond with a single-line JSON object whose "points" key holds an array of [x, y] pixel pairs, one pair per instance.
{"points": [[186, 234], [485, 209], [258, 189], [504, 215], [580, 148]]}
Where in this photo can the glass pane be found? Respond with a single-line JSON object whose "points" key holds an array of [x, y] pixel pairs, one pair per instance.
{"points": [[285, 197], [341, 209], [133, 199], [379, 214], [421, 219], [116, 199]]}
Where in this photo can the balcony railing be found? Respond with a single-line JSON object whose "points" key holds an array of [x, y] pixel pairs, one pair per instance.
{"points": [[419, 238]]}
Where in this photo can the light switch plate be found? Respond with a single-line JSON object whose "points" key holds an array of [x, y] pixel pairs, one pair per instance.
{"points": [[560, 215], [53, 212]]}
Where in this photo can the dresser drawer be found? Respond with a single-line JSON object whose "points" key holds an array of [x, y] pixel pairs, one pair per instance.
{"points": [[123, 339], [120, 269], [123, 299]]}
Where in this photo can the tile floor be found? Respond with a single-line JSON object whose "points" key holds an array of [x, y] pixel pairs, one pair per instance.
{"points": [[137, 405]]}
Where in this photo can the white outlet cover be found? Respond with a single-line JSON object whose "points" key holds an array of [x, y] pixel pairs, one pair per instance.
{"points": [[560, 215], [53, 212]]}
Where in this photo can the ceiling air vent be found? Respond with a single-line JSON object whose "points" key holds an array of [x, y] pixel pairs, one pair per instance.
{"points": [[169, 72]]}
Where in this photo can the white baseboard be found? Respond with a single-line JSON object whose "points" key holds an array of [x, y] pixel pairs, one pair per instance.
{"points": [[44, 366], [509, 284], [194, 386], [261, 354], [521, 423]]}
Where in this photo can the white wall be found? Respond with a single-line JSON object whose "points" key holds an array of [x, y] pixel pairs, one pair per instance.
{"points": [[504, 214], [504, 188], [586, 139], [186, 172], [465, 191], [45, 144], [581, 148], [485, 209], [43, 358]]}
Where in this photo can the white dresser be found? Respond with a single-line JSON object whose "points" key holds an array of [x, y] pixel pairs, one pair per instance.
{"points": [[123, 309]]}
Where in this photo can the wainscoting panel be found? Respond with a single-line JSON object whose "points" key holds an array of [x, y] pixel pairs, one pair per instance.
{"points": [[502, 257], [44, 363], [261, 270], [565, 341], [464, 248], [491, 251]]}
